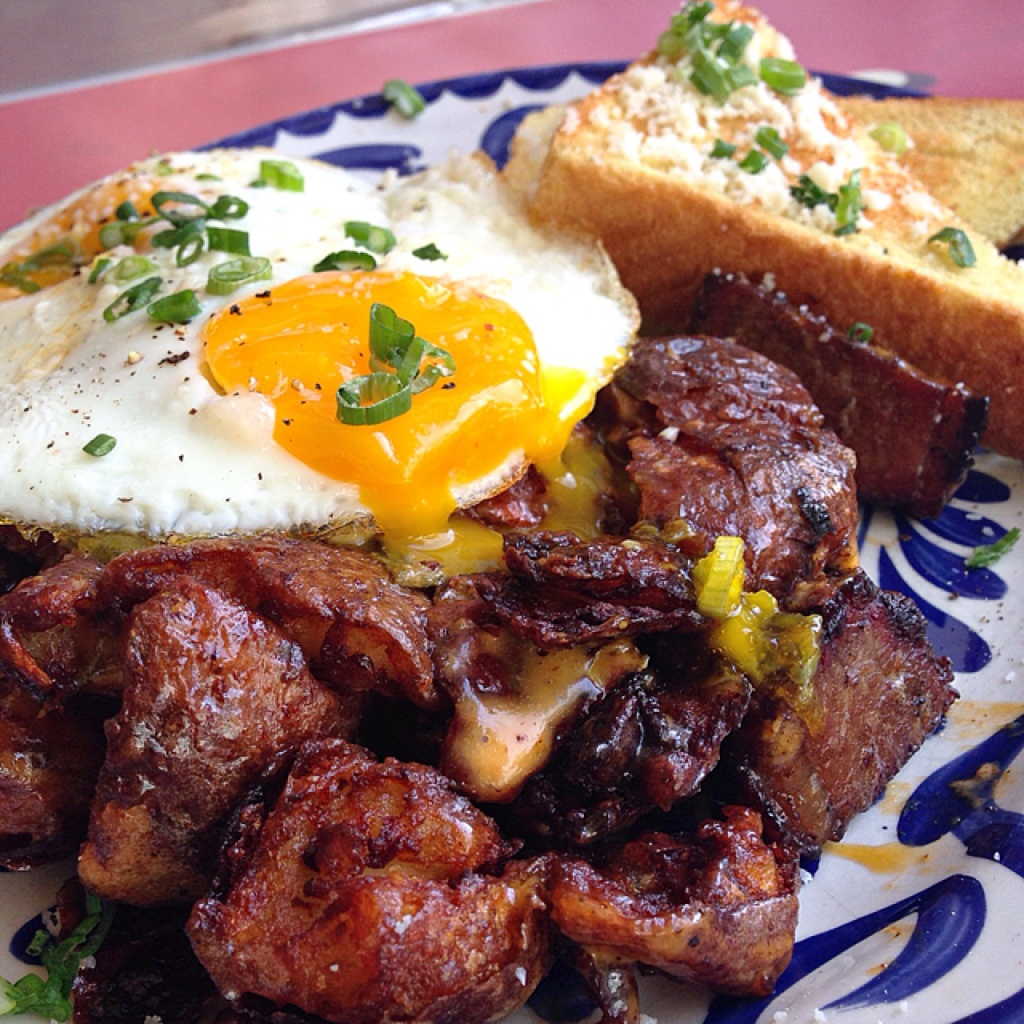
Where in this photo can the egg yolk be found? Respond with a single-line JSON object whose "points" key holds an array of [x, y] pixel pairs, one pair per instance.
{"points": [[76, 227], [297, 343]]}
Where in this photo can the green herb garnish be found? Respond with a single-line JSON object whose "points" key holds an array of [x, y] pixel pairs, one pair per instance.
{"points": [[860, 333], [429, 252], [281, 174], [846, 204], [50, 996], [401, 365], [404, 98], [985, 554], [100, 445], [961, 252]]}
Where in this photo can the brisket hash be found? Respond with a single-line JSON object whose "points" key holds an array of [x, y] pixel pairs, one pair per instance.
{"points": [[372, 802]]}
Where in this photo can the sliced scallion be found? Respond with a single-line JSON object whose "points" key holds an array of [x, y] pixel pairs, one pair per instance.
{"points": [[890, 136], [784, 76], [281, 174], [770, 141], [961, 252], [373, 398], [99, 268], [985, 554], [100, 445], [754, 162], [375, 238], [230, 240], [860, 333], [132, 299], [396, 371], [735, 41], [179, 207], [131, 267], [226, 277], [346, 259], [429, 252], [404, 98], [722, 150], [228, 208], [177, 308], [848, 205]]}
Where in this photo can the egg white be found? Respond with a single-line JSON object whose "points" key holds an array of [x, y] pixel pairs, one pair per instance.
{"points": [[192, 461]]}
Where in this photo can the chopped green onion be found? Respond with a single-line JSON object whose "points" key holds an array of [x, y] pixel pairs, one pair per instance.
{"points": [[735, 42], [190, 250], [346, 259], [281, 174], [179, 207], [671, 44], [226, 277], [11, 275], [122, 232], [127, 211], [50, 997], [807, 192], [390, 336], [98, 268], [722, 149], [754, 162], [769, 140], [961, 252], [860, 333], [382, 395], [986, 554], [376, 239], [848, 205], [132, 299], [101, 444], [208, 176], [739, 76], [709, 75], [429, 252], [890, 136], [60, 254], [228, 208], [228, 240], [373, 398], [178, 308], [64, 253], [784, 76], [131, 267], [404, 98]]}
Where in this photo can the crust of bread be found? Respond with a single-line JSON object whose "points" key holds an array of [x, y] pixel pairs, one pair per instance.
{"points": [[969, 153], [664, 233]]}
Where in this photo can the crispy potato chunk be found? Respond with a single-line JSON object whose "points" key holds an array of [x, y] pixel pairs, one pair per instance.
{"points": [[718, 908], [217, 700], [357, 627], [48, 766], [387, 896]]}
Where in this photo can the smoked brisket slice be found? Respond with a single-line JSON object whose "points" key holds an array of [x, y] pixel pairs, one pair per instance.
{"points": [[730, 443], [914, 435], [812, 759]]}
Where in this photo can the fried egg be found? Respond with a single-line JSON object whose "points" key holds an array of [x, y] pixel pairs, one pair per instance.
{"points": [[220, 415]]}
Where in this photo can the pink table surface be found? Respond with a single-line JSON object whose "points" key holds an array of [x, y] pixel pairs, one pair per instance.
{"points": [[54, 143]]}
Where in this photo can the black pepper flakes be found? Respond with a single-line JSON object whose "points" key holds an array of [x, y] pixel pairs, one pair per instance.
{"points": [[174, 359]]}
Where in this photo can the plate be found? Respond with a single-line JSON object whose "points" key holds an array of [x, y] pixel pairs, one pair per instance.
{"points": [[913, 918]]}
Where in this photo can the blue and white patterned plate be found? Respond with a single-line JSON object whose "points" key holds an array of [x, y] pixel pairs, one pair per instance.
{"points": [[914, 918]]}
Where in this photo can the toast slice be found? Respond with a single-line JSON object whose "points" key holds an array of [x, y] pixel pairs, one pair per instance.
{"points": [[968, 152], [634, 164]]}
